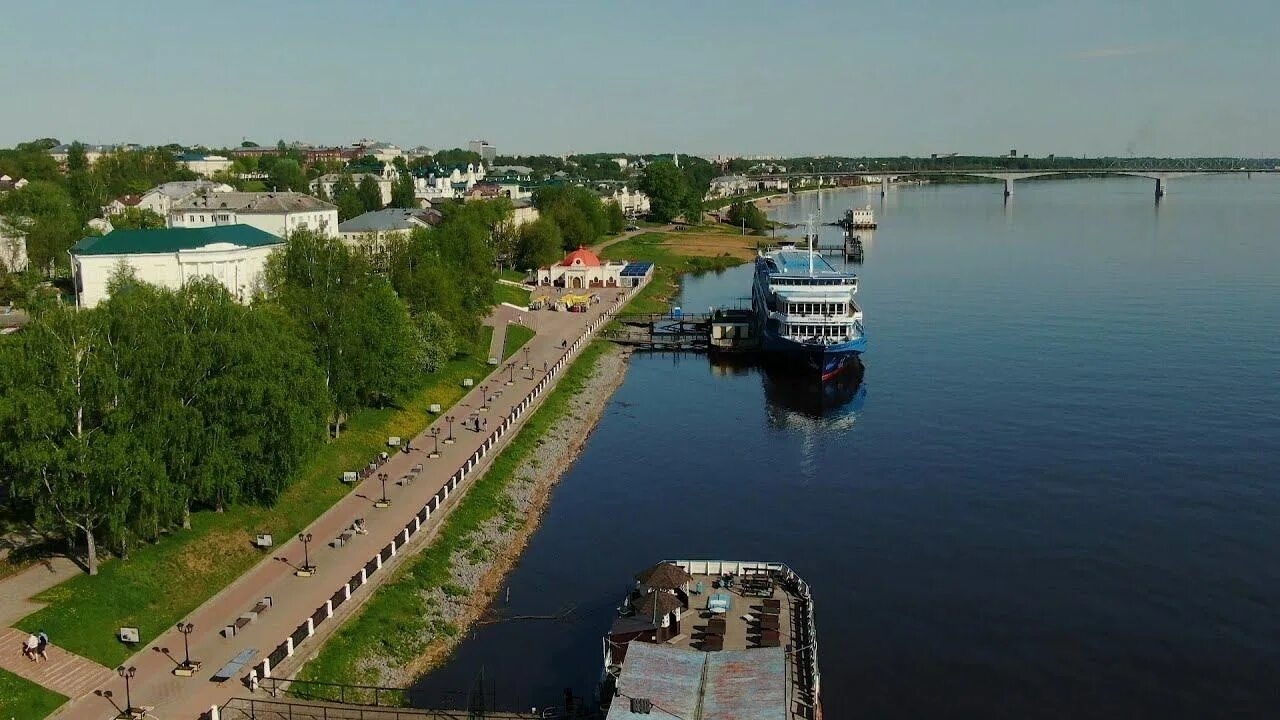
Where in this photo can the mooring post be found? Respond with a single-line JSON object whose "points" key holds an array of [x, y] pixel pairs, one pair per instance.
{"points": [[884, 185], [1160, 187], [1008, 187]]}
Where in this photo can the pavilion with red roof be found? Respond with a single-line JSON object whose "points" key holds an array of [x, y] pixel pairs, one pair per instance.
{"points": [[582, 269]]}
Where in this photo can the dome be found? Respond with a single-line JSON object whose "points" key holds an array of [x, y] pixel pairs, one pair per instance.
{"points": [[581, 257]]}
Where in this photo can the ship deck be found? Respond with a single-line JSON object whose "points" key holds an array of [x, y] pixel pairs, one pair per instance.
{"points": [[743, 621]]}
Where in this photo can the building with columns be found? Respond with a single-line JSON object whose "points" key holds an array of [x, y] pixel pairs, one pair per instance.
{"points": [[233, 255]]}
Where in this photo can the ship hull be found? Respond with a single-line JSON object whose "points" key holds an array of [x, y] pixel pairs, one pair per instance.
{"points": [[825, 362]]}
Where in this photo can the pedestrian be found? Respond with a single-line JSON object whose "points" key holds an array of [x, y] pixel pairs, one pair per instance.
{"points": [[42, 646], [29, 647]]}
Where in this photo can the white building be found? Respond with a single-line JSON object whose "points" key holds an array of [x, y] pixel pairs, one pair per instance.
{"points": [[523, 212], [731, 185], [278, 213], [91, 152], [234, 255], [205, 165], [327, 183], [449, 183], [162, 198], [632, 202], [582, 269], [13, 248]]}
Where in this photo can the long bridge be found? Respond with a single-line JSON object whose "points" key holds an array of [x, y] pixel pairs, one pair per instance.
{"points": [[1159, 170]]}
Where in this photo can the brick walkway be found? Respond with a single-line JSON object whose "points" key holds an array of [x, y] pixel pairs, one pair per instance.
{"points": [[63, 672], [295, 599]]}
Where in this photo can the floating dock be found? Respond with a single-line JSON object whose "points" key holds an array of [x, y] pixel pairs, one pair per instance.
{"points": [[723, 330]]}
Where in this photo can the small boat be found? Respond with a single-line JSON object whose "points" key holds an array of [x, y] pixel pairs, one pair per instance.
{"points": [[713, 639]]}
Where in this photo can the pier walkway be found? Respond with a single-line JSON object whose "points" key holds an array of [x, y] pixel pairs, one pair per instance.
{"points": [[303, 607]]}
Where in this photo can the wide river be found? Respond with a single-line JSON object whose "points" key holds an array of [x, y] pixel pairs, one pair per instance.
{"points": [[1056, 494]]}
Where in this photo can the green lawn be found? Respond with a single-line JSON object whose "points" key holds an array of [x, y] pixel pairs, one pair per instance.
{"points": [[512, 275], [398, 623], [669, 266], [161, 583], [514, 295], [24, 700], [517, 336]]}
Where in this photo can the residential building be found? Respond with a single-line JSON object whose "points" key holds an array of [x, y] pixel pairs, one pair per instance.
{"points": [[327, 183], [91, 152], [162, 198], [205, 165], [13, 248], [523, 212], [582, 269], [233, 255], [384, 151], [330, 154], [372, 229], [522, 172], [278, 213], [483, 191], [255, 151], [621, 162], [730, 185], [488, 153]]}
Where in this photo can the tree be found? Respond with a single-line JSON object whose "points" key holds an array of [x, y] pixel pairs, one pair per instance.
{"points": [[402, 191], [358, 328], [135, 218], [370, 194], [667, 189], [77, 159], [45, 214], [287, 174], [437, 340], [576, 210], [540, 244], [455, 157], [614, 218], [747, 215], [347, 198], [65, 441]]}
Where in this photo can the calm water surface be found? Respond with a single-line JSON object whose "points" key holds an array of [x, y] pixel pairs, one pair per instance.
{"points": [[1055, 494]]}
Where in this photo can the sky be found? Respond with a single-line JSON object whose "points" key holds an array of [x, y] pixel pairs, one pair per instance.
{"points": [[891, 77]]}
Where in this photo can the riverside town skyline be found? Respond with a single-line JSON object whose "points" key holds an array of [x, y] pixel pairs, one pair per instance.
{"points": [[1089, 78]]}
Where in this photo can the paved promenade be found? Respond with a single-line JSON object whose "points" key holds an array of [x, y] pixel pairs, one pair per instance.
{"points": [[294, 600]]}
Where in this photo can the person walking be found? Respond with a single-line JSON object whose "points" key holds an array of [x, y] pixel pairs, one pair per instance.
{"points": [[42, 646]]}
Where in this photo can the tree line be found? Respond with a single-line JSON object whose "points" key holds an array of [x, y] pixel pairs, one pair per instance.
{"points": [[117, 422], [569, 217]]}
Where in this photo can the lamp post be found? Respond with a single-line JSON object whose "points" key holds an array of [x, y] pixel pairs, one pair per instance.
{"points": [[435, 435], [484, 398], [511, 374], [187, 668], [307, 567], [385, 501], [127, 673], [526, 358], [449, 419]]}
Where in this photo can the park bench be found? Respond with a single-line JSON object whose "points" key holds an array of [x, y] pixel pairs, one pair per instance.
{"points": [[343, 538], [238, 624], [237, 663]]}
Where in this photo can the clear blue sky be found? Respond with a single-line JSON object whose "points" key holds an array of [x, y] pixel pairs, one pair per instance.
{"points": [[1174, 77]]}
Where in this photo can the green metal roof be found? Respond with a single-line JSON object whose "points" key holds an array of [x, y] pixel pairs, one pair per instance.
{"points": [[167, 240]]}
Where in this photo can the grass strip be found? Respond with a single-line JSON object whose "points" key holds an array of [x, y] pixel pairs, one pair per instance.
{"points": [[669, 265], [21, 698], [398, 624], [504, 293], [162, 582]]}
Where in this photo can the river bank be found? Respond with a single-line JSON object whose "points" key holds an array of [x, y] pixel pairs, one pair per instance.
{"points": [[448, 585]]}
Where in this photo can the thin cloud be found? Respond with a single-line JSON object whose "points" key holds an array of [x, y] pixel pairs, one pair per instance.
{"points": [[1114, 52]]}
